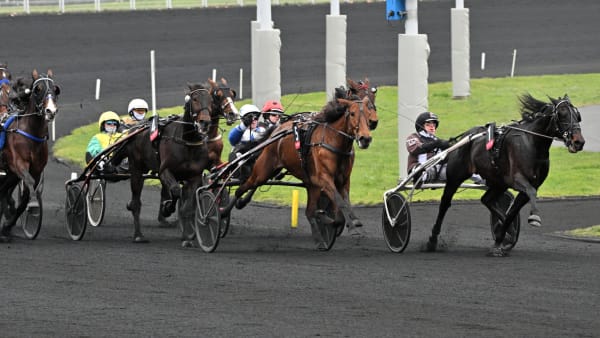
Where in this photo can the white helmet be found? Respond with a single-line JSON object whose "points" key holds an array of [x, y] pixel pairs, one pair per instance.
{"points": [[249, 108], [136, 104]]}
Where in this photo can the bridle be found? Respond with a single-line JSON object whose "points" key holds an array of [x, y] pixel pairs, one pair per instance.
{"points": [[45, 100], [198, 125]]}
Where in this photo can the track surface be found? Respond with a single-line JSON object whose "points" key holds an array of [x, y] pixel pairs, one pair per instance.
{"points": [[266, 279]]}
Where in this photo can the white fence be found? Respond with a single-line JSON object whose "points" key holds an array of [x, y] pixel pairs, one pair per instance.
{"points": [[12, 7]]}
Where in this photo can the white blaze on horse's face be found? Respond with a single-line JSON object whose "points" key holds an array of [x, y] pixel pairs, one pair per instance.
{"points": [[50, 107]]}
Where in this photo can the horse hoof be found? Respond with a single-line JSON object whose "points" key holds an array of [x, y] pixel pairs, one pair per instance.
{"points": [[140, 239], [322, 246], [429, 247], [128, 206], [240, 204], [162, 223], [187, 244], [357, 223], [497, 251], [356, 232], [534, 221], [323, 217]]}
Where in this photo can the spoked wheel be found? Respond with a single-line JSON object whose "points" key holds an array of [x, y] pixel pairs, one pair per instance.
{"points": [[512, 233], [207, 222], [223, 199], [397, 232], [75, 212], [31, 219], [329, 231], [95, 201]]}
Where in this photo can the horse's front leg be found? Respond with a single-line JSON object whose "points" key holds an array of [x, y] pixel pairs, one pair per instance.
{"points": [[523, 185], [432, 244], [314, 193], [498, 250], [187, 207], [167, 179], [135, 204], [164, 196]]}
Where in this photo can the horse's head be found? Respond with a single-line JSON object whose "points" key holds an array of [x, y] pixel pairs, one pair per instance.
{"points": [[357, 113], [44, 94], [7, 96], [363, 89], [223, 105], [566, 119], [198, 107]]}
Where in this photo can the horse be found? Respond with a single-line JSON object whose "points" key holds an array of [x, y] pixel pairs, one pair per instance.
{"points": [[519, 160], [179, 154], [319, 163], [223, 107], [26, 148]]}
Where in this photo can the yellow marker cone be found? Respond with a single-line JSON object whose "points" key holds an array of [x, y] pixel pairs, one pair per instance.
{"points": [[295, 208]]}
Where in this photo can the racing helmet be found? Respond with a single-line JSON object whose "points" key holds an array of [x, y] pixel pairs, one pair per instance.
{"points": [[108, 116], [426, 117], [248, 108], [136, 104], [273, 107]]}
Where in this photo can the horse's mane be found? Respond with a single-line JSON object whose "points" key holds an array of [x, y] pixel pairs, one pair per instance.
{"points": [[531, 106], [331, 112]]}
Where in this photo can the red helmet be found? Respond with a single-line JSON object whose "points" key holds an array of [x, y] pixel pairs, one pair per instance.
{"points": [[273, 107]]}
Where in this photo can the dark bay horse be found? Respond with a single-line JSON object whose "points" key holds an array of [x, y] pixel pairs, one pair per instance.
{"points": [[326, 144], [26, 149], [521, 162], [223, 107], [179, 156]]}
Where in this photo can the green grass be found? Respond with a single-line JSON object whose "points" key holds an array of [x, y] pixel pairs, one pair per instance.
{"points": [[593, 231], [376, 168]]}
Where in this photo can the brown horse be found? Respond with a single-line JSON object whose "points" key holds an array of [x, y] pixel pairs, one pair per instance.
{"points": [[326, 144], [179, 155], [26, 148], [223, 107], [519, 160]]}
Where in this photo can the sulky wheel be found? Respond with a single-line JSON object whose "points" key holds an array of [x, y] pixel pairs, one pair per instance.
{"points": [[512, 233], [329, 231], [397, 232], [95, 201], [75, 212], [31, 218], [207, 221]]}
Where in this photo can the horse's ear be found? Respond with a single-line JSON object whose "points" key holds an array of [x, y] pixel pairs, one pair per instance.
{"points": [[50, 74], [224, 82], [212, 83], [233, 94], [56, 90], [35, 74]]}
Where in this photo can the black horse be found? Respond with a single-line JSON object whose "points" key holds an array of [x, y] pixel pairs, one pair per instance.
{"points": [[178, 155], [519, 160]]}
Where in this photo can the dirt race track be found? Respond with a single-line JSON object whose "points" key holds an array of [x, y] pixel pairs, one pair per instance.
{"points": [[266, 279]]}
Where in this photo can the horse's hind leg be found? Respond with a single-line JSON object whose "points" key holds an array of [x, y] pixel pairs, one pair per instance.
{"points": [[445, 203]]}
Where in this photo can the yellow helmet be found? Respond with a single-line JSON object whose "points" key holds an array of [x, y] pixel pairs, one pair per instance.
{"points": [[107, 116]]}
